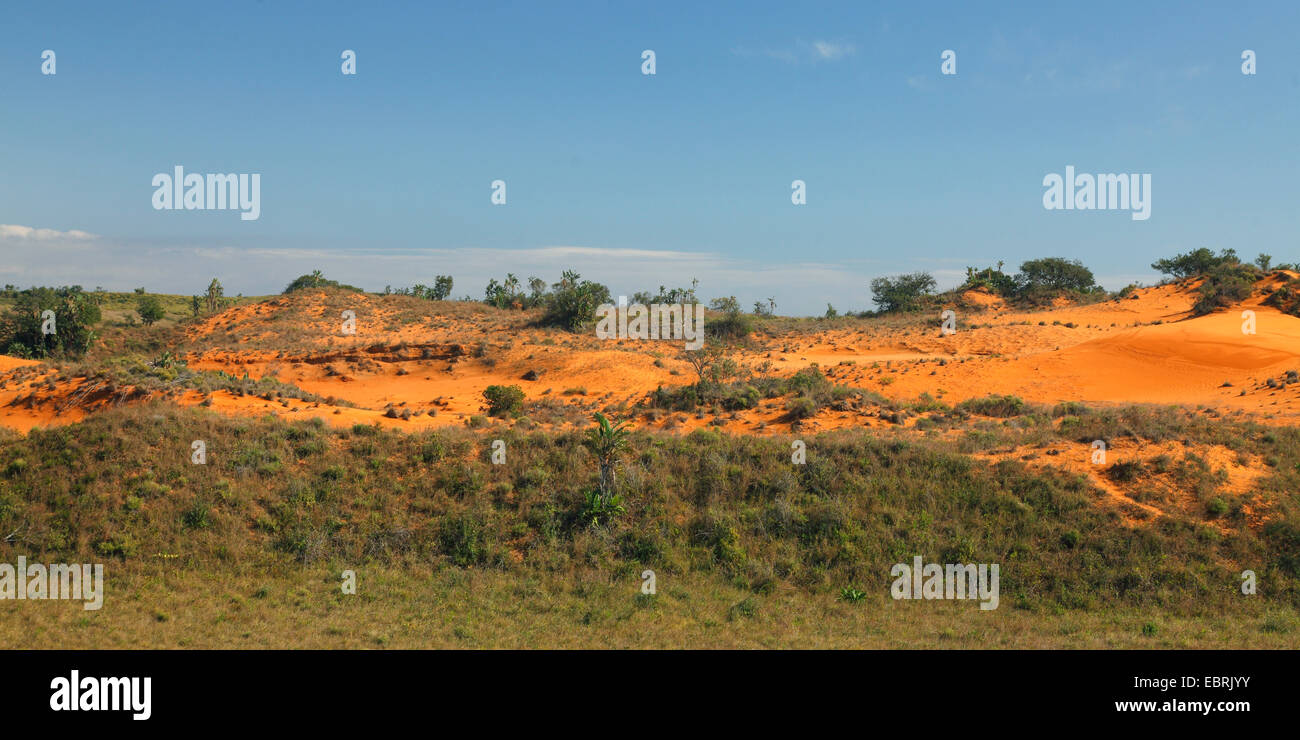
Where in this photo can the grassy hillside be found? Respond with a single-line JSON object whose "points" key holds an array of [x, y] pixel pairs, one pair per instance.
{"points": [[719, 518]]}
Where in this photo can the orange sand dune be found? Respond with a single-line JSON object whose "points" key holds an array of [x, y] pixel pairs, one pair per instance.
{"points": [[1088, 353], [8, 363], [26, 402], [1187, 362], [434, 360]]}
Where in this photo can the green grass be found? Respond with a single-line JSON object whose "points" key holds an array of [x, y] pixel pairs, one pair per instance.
{"points": [[158, 605], [729, 520]]}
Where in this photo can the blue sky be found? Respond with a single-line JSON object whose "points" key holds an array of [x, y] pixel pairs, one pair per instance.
{"points": [[384, 177]]}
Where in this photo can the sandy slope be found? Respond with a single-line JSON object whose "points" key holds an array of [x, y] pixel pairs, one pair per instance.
{"points": [[1187, 362]]}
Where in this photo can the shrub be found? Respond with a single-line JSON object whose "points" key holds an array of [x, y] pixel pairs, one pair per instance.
{"points": [[1286, 298], [1225, 285], [75, 314], [504, 400], [738, 399], [503, 294], [316, 280], [466, 539], [809, 380], [1125, 471], [150, 309], [801, 407], [1055, 274], [732, 323], [675, 398], [998, 406], [196, 517], [573, 302], [992, 279], [598, 509], [902, 293], [1195, 262]]}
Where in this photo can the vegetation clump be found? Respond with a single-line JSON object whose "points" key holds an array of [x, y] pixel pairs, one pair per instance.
{"points": [[50, 322], [504, 400], [316, 280]]}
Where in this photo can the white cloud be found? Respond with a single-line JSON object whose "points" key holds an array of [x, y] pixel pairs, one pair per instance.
{"points": [[13, 231], [831, 50], [817, 51]]}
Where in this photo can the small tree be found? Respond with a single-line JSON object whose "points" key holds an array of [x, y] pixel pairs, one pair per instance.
{"points": [[1056, 274], [606, 441], [537, 287], [700, 359], [441, 287], [512, 288], [901, 293], [214, 295], [573, 302], [22, 330], [495, 294], [150, 309], [1196, 262]]}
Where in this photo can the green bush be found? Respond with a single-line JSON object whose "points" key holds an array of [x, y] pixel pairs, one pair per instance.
{"points": [[75, 314], [729, 322], [1126, 471], [1055, 274], [995, 405], [801, 407], [197, 516], [992, 279], [572, 302], [466, 539], [902, 293], [1225, 285], [316, 280], [737, 399], [504, 400], [1195, 262], [150, 309]]}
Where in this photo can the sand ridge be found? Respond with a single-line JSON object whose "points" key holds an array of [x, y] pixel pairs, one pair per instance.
{"points": [[421, 364]]}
